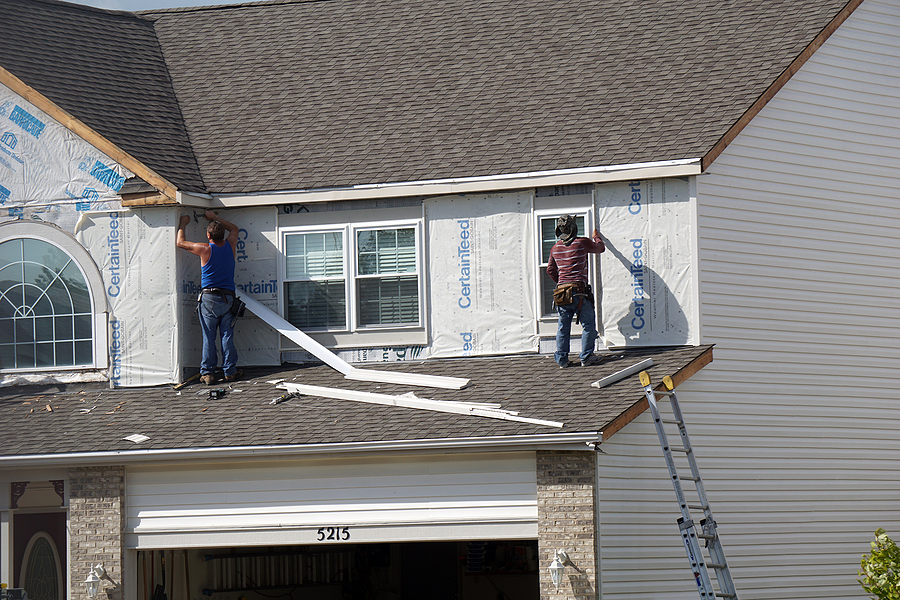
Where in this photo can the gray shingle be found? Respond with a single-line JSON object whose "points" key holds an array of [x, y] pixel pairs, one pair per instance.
{"points": [[291, 95], [91, 418], [106, 69]]}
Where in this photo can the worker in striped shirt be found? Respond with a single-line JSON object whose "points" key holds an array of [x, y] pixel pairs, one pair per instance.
{"points": [[568, 267]]}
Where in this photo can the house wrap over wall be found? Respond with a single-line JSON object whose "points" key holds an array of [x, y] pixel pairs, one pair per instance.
{"points": [[466, 253]]}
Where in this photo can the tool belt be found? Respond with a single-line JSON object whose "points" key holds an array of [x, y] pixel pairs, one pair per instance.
{"points": [[237, 305], [221, 291], [567, 293]]}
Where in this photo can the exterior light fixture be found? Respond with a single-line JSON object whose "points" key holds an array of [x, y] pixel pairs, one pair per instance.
{"points": [[92, 583], [558, 566]]}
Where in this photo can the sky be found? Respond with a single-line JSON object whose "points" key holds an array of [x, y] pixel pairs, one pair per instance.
{"points": [[135, 5]]}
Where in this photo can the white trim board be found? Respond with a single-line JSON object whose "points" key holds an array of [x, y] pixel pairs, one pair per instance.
{"points": [[470, 185], [336, 363], [410, 401]]}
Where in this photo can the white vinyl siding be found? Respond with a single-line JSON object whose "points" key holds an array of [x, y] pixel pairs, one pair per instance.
{"points": [[795, 422], [392, 499]]}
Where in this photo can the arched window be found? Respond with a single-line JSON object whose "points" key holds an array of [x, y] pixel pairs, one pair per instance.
{"points": [[41, 574], [50, 310]]}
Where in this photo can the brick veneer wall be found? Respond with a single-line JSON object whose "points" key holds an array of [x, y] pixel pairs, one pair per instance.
{"points": [[566, 521], [97, 522]]}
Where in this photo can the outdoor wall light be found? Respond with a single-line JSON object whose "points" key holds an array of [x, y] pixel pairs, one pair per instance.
{"points": [[558, 566], [92, 583]]}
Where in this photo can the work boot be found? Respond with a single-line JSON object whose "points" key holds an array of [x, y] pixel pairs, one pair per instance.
{"points": [[591, 360], [564, 364], [234, 376], [208, 379]]}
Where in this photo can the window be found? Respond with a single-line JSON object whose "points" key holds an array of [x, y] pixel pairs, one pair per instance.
{"points": [[46, 312], [547, 227], [352, 278], [387, 280], [41, 574], [315, 281]]}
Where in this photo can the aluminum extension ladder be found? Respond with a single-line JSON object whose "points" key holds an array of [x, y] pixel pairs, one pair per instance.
{"points": [[708, 533]]}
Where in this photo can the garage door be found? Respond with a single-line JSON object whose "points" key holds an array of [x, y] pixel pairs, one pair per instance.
{"points": [[388, 499]]}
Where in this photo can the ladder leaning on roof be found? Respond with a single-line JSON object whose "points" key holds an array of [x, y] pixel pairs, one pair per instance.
{"points": [[699, 565]]}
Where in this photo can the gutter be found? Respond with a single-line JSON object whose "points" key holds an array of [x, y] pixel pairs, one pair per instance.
{"points": [[573, 441], [462, 185]]}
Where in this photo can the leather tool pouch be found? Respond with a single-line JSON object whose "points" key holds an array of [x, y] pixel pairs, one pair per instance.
{"points": [[565, 294], [237, 307]]}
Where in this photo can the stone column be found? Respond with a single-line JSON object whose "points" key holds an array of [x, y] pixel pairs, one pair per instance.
{"points": [[566, 521], [97, 528]]}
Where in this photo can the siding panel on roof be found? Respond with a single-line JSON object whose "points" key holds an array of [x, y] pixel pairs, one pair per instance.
{"points": [[795, 423]]}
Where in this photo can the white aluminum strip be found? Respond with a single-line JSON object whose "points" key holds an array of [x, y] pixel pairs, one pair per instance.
{"points": [[333, 361], [471, 185], [450, 383], [412, 402], [619, 375]]}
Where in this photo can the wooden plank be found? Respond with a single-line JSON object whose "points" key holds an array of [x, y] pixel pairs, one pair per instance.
{"points": [[151, 199], [86, 133], [632, 412]]}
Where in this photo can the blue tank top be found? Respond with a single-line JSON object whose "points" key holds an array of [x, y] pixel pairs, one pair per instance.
{"points": [[218, 272]]}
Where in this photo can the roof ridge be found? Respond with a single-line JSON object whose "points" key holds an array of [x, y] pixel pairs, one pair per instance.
{"points": [[211, 7]]}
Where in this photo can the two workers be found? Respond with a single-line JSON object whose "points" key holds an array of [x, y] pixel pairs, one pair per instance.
{"points": [[567, 267]]}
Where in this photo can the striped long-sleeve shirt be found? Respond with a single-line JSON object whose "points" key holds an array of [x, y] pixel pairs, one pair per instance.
{"points": [[569, 264]]}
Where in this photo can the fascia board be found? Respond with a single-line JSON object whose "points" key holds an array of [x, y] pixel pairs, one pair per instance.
{"points": [[568, 441], [470, 185]]}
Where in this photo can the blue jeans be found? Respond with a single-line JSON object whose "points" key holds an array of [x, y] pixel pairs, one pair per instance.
{"points": [[589, 330], [215, 316]]}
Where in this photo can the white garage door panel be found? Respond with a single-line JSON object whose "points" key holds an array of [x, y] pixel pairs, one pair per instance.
{"points": [[389, 499]]}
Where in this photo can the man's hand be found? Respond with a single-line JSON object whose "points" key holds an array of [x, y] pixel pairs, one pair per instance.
{"points": [[596, 233], [185, 219], [210, 215]]}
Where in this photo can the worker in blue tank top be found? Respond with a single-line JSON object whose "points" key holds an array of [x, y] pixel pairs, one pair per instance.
{"points": [[217, 261]]}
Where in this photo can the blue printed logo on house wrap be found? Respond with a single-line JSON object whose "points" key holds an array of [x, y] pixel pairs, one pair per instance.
{"points": [[4, 194], [107, 176], [27, 121]]}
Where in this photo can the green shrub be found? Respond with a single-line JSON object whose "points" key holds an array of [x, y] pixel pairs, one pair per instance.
{"points": [[881, 568]]}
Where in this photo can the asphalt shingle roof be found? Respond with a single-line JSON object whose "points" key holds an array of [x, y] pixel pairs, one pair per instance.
{"points": [[92, 418], [106, 69], [289, 95]]}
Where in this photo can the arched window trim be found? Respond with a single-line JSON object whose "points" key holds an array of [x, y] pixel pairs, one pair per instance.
{"points": [[26, 558], [65, 242]]}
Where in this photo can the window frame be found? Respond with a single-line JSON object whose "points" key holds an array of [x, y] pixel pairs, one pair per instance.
{"points": [[350, 269], [81, 258], [587, 212], [282, 269]]}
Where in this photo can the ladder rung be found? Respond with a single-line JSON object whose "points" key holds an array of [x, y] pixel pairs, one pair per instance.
{"points": [[697, 507], [688, 478], [663, 393], [716, 566], [725, 595], [679, 449], [672, 421], [706, 536]]}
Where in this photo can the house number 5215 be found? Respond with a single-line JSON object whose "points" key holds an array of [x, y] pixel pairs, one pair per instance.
{"points": [[333, 533]]}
